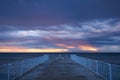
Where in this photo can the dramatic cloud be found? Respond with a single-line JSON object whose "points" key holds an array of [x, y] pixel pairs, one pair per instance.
{"points": [[95, 35], [73, 25]]}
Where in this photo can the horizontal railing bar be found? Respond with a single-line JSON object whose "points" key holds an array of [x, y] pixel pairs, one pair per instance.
{"points": [[103, 69]]}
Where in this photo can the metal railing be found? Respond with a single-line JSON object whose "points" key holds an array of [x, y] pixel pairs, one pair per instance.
{"points": [[13, 70], [103, 69]]}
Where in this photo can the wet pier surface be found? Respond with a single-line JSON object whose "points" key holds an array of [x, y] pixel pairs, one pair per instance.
{"points": [[60, 69]]}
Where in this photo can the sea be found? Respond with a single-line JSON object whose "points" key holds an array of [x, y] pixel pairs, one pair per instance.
{"points": [[113, 58]]}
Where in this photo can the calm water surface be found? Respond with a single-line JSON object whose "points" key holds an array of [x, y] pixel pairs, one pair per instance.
{"points": [[113, 58]]}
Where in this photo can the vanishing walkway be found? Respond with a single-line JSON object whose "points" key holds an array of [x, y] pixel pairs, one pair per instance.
{"points": [[60, 69]]}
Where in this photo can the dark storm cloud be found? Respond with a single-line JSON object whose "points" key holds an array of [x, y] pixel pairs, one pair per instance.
{"points": [[54, 12]]}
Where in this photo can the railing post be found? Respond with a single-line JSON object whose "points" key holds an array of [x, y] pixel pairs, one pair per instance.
{"points": [[97, 67], [110, 71], [89, 62], [22, 63], [9, 65]]}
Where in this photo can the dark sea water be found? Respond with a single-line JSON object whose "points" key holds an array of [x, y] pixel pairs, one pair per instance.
{"points": [[13, 57], [113, 58]]}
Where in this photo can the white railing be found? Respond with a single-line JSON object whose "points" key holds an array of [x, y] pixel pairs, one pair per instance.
{"points": [[13, 70], [103, 69]]}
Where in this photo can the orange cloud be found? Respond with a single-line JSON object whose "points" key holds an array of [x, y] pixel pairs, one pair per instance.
{"points": [[65, 46], [87, 48], [61, 45], [22, 49], [69, 47]]}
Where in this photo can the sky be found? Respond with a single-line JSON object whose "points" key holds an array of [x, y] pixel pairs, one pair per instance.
{"points": [[59, 25]]}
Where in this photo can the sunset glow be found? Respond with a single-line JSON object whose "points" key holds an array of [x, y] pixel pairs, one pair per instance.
{"points": [[80, 47], [21, 49], [88, 48], [61, 45], [69, 47], [65, 46]]}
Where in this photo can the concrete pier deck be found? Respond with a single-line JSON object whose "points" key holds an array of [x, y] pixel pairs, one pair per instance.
{"points": [[60, 69]]}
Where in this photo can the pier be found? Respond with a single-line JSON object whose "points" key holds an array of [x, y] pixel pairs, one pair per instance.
{"points": [[60, 67]]}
